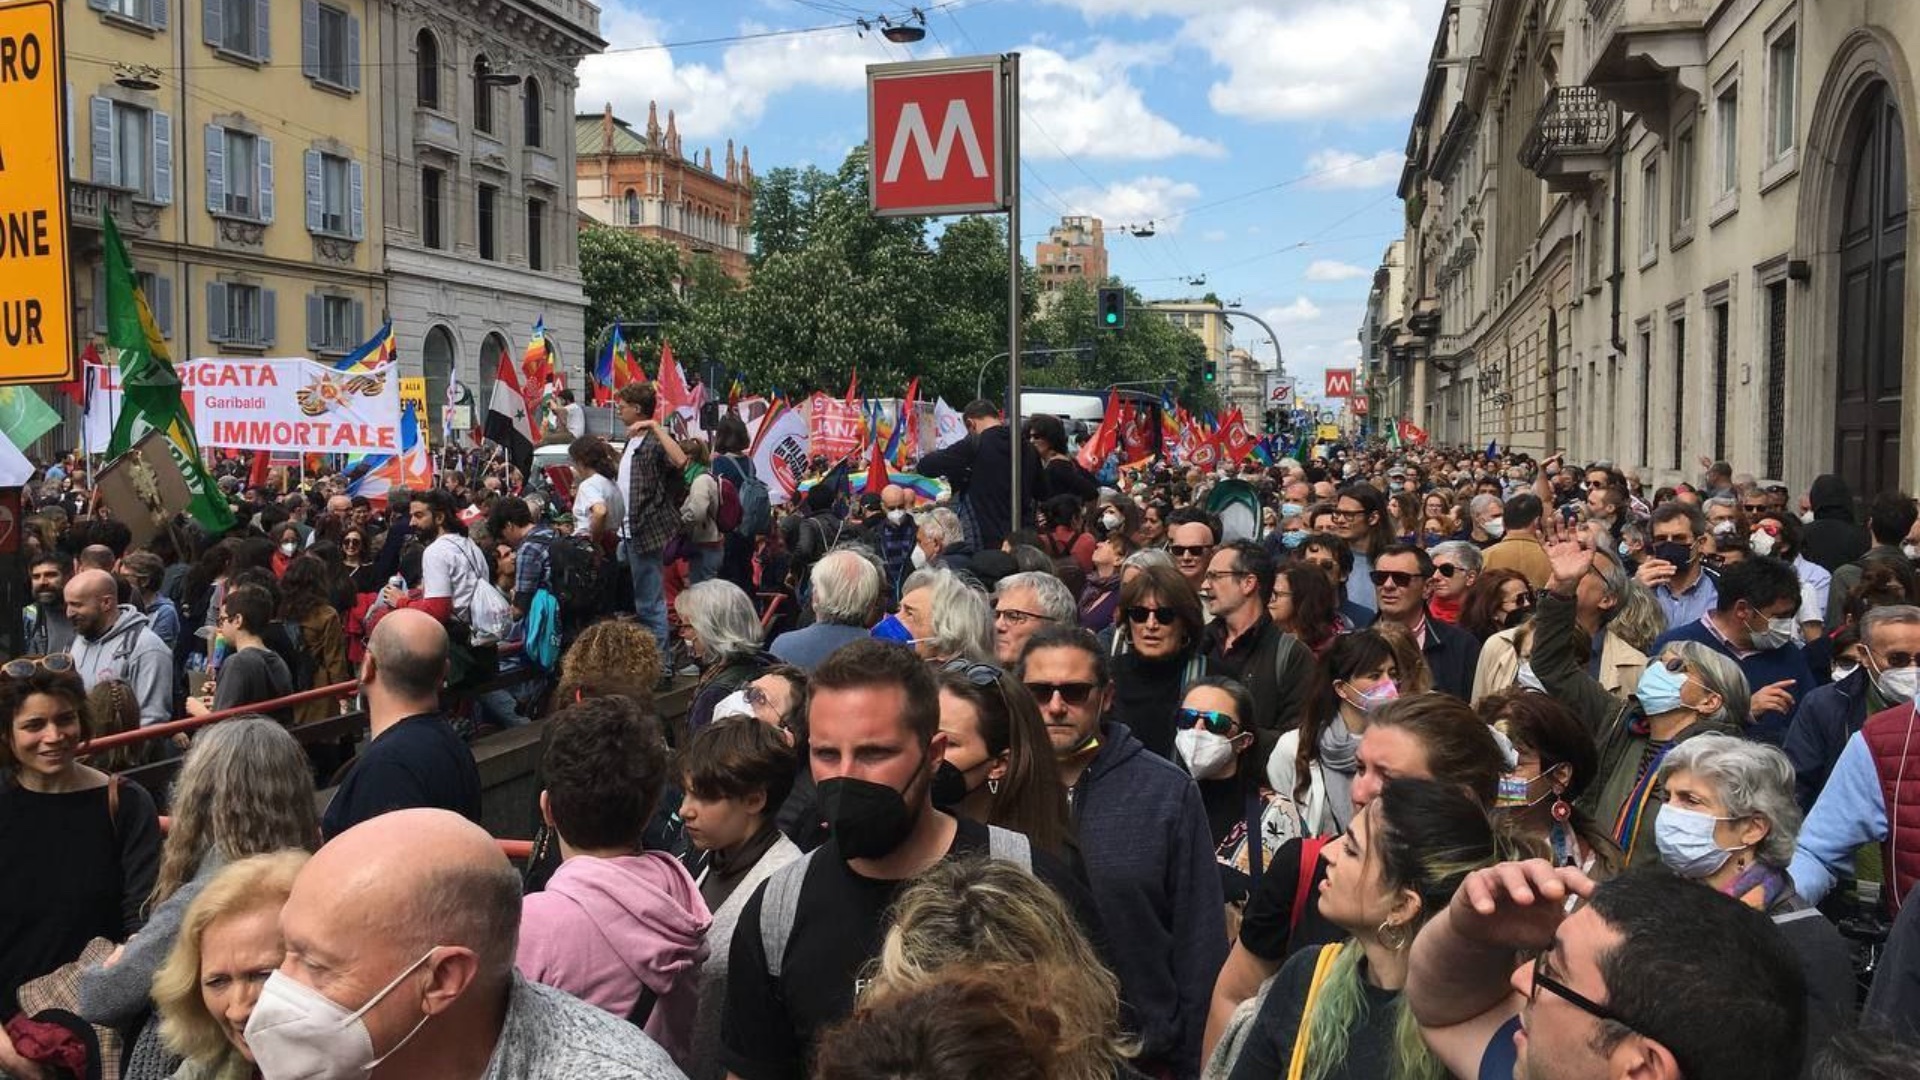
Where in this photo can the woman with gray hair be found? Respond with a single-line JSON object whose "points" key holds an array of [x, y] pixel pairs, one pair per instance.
{"points": [[948, 618], [1730, 822], [719, 624], [1687, 691]]}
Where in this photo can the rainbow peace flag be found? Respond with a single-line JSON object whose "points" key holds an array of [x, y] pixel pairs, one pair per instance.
{"points": [[379, 351]]}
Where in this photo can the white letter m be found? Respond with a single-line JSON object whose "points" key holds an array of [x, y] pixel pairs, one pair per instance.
{"points": [[959, 122]]}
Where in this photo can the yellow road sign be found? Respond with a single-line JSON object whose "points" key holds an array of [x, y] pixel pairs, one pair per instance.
{"points": [[36, 302]]}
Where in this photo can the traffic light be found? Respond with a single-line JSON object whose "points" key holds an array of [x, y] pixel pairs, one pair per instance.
{"points": [[1207, 370], [1113, 309]]}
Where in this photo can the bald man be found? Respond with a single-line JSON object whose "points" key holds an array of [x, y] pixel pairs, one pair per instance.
{"points": [[412, 757], [113, 641], [411, 920]]}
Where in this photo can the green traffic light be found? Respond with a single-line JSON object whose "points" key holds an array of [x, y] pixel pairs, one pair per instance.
{"points": [[1112, 317]]}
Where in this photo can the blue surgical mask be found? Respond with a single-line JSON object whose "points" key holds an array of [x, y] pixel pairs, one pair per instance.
{"points": [[1659, 689], [1294, 539], [892, 629], [1685, 839]]}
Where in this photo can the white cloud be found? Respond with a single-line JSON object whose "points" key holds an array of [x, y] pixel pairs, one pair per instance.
{"points": [[1338, 169], [1302, 310], [715, 100], [1134, 202], [1317, 59], [1300, 59], [1214, 236], [1333, 270], [1087, 107]]}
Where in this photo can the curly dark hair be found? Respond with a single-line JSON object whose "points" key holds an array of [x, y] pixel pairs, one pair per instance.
{"points": [[1480, 610], [604, 766], [15, 692]]}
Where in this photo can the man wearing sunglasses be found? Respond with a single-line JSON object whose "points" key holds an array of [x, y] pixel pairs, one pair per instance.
{"points": [[1190, 540], [1652, 978], [1148, 849], [1402, 577], [1243, 641]]}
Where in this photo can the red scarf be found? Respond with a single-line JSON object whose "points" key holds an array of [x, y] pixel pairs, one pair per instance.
{"points": [[1447, 611]]}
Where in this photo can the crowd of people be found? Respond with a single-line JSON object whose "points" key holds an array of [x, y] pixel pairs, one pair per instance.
{"points": [[1369, 763]]}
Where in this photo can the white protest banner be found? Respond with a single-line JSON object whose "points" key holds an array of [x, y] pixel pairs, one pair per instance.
{"points": [[280, 404]]}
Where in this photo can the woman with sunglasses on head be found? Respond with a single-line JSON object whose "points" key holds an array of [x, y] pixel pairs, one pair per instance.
{"points": [[999, 768], [1312, 766], [1158, 654], [1420, 737], [1686, 691], [1554, 762], [1336, 1011], [1305, 604], [79, 851], [1498, 600]]}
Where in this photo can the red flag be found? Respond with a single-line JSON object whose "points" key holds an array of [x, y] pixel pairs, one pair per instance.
{"points": [[1412, 433], [853, 385], [262, 463], [877, 475], [1101, 443], [1235, 441], [673, 392]]}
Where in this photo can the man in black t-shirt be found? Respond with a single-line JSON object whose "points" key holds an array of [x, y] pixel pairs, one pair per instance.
{"points": [[873, 729], [412, 757]]}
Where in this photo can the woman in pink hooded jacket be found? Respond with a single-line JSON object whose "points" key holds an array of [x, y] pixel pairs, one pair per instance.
{"points": [[617, 927]]}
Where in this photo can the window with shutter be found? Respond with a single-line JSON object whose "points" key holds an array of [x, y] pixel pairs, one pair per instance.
{"points": [[316, 193], [268, 332], [356, 201], [162, 301], [100, 115], [162, 191], [316, 322], [216, 178], [262, 40], [242, 182], [217, 326], [265, 150]]}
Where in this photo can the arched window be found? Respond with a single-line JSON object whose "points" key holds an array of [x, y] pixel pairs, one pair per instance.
{"points": [[482, 95], [427, 69], [633, 207], [531, 102]]}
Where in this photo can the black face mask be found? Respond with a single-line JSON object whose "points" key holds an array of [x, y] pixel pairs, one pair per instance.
{"points": [[868, 820], [1518, 617], [949, 786]]}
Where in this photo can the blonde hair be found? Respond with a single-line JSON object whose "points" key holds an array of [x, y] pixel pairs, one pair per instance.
{"points": [[259, 883], [244, 789], [991, 918]]}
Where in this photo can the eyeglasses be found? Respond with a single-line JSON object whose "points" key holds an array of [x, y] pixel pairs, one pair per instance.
{"points": [[1447, 570], [1189, 551], [755, 697], [1140, 613], [1345, 515], [1075, 694], [1218, 723], [1216, 575], [59, 663], [1756, 508], [351, 541], [1544, 981], [1399, 578], [1016, 616], [1898, 660]]}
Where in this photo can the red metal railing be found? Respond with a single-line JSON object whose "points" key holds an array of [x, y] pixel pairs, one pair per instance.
{"points": [[193, 723]]}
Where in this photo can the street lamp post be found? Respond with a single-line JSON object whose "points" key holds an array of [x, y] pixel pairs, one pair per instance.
{"points": [[980, 381]]}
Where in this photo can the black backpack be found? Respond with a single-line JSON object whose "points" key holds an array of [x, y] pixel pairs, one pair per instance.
{"points": [[579, 579]]}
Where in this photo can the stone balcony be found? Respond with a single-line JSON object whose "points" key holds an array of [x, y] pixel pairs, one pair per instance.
{"points": [[435, 130], [1571, 136], [89, 204], [1642, 54]]}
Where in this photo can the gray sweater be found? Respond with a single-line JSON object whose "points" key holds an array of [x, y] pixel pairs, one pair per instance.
{"points": [[116, 996], [549, 1035]]}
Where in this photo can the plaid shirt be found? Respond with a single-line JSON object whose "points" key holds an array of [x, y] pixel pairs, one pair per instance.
{"points": [[530, 564], [896, 549], [652, 519]]}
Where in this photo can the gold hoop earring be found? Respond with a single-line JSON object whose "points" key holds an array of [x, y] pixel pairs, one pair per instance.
{"points": [[1393, 937]]}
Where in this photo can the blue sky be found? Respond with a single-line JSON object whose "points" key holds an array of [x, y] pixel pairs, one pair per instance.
{"points": [[1261, 137]]}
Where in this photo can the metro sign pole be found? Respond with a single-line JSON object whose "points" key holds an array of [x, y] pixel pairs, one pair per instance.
{"points": [[945, 136]]}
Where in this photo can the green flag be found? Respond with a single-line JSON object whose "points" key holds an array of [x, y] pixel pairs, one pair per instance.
{"points": [[150, 388], [25, 415]]}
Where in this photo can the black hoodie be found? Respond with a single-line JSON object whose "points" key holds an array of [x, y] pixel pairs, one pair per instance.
{"points": [[1831, 539]]}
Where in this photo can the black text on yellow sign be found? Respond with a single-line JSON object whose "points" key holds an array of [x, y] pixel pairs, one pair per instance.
{"points": [[36, 304]]}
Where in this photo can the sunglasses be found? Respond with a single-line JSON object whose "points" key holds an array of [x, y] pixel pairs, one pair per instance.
{"points": [[1074, 694], [1218, 723], [1189, 551], [1896, 660], [1140, 613], [59, 663], [1399, 578], [1447, 570]]}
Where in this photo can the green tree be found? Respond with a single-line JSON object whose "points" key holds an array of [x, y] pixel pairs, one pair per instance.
{"points": [[627, 276]]}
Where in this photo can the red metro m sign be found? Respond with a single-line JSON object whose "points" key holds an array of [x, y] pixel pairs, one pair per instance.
{"points": [[938, 131]]}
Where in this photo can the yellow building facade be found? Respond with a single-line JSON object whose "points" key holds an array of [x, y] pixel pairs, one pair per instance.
{"points": [[235, 143]]}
